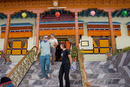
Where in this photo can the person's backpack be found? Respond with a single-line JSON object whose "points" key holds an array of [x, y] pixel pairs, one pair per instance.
{"points": [[6, 82]]}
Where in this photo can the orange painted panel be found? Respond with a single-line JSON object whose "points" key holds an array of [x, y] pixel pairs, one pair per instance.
{"points": [[60, 32], [103, 32], [17, 34], [67, 44], [129, 32]]}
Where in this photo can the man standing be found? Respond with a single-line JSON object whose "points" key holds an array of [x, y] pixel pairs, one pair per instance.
{"points": [[45, 57], [53, 41]]}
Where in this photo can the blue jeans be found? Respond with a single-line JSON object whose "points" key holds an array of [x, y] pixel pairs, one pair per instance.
{"points": [[45, 64]]}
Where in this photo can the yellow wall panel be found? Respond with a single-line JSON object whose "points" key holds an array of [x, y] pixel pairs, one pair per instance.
{"points": [[8, 52], [24, 52], [17, 44], [104, 43], [87, 51], [16, 52], [96, 50], [104, 50]]}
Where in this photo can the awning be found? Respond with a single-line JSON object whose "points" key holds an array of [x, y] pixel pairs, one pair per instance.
{"points": [[60, 22], [128, 23], [17, 24], [17, 30], [103, 23]]}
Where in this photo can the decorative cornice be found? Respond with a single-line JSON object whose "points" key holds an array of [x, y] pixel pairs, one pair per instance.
{"points": [[15, 6]]}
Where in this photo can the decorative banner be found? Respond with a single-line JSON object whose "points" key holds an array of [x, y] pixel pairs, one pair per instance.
{"points": [[24, 15], [124, 13], [57, 14], [92, 13]]}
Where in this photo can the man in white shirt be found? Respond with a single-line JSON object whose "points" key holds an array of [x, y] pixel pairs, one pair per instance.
{"points": [[53, 41]]}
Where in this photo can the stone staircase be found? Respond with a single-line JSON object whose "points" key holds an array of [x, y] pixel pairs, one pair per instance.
{"points": [[2, 61], [5, 68], [34, 76], [103, 74]]}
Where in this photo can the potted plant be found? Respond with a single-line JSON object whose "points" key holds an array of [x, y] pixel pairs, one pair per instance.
{"points": [[7, 58], [2, 54], [108, 54], [39, 56], [74, 53]]}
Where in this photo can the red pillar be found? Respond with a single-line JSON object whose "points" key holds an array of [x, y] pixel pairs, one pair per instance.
{"points": [[111, 31], [37, 30], [76, 29], [7, 33]]}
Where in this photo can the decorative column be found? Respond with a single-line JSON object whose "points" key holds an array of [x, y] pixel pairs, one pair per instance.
{"points": [[111, 31], [76, 29], [7, 33], [37, 30]]}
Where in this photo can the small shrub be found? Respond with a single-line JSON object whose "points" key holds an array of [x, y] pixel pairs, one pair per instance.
{"points": [[125, 49], [74, 52], [116, 52]]}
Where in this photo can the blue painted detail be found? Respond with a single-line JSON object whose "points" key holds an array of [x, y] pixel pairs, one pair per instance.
{"points": [[60, 22], [128, 23], [11, 85], [17, 24], [103, 29], [103, 23]]}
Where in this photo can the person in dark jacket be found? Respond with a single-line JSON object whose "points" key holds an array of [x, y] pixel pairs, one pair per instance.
{"points": [[65, 66]]}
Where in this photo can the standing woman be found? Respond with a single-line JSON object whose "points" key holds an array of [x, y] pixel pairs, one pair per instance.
{"points": [[65, 66]]}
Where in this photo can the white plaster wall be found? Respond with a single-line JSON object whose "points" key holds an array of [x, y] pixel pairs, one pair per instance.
{"points": [[1, 41], [31, 41], [121, 41]]}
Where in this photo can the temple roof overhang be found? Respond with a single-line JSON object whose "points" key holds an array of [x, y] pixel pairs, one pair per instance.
{"points": [[84, 13]]}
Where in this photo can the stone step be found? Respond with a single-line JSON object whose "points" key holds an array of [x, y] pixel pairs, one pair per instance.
{"points": [[38, 76], [2, 61], [42, 85], [50, 82], [34, 76], [106, 81], [6, 68], [104, 76], [110, 85]]}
